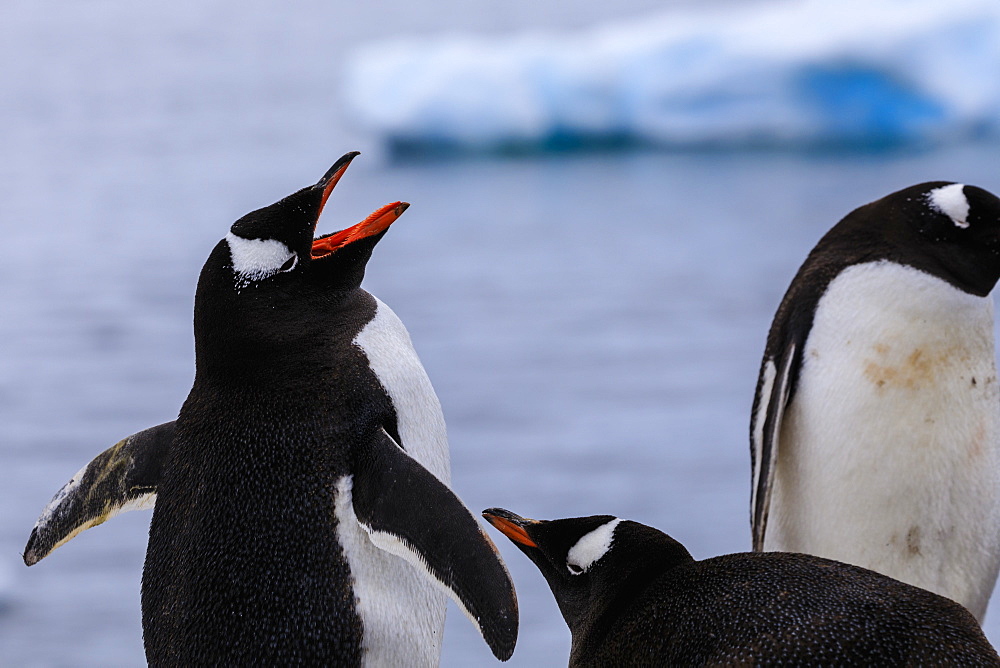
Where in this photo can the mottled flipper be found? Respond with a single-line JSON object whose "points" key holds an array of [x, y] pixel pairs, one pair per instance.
{"points": [[122, 478], [408, 512]]}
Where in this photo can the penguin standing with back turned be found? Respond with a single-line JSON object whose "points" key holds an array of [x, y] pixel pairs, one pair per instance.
{"points": [[633, 596], [302, 514], [875, 430]]}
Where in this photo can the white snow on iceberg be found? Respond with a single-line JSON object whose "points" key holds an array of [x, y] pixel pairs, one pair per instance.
{"points": [[808, 72]]}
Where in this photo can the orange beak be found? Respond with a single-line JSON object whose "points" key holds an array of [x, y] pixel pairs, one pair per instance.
{"points": [[370, 226], [377, 222], [509, 528], [330, 179]]}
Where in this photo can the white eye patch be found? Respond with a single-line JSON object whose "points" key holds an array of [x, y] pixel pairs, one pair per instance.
{"points": [[591, 547], [951, 201], [256, 259]]}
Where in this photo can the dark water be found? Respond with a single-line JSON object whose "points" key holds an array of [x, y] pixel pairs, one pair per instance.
{"points": [[592, 323]]}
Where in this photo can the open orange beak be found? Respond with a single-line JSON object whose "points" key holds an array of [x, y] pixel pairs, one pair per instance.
{"points": [[374, 224], [377, 222], [510, 525]]}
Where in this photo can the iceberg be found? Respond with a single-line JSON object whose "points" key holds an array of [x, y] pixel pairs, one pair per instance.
{"points": [[856, 73]]}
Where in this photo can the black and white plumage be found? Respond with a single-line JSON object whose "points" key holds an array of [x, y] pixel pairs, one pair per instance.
{"points": [[302, 513], [875, 431], [633, 596]]}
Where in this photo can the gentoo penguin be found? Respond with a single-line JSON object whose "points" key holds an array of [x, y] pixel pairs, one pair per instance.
{"points": [[302, 513], [633, 596], [875, 431]]}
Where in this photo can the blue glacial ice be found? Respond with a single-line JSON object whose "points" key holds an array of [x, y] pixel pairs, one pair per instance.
{"points": [[789, 73]]}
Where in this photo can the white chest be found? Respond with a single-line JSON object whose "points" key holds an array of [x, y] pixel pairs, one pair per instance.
{"points": [[890, 448], [386, 344], [402, 611]]}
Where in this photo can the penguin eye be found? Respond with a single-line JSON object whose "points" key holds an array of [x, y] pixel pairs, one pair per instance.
{"points": [[289, 264], [573, 568]]}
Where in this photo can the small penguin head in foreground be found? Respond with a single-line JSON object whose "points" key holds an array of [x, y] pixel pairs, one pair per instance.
{"points": [[270, 282], [950, 230], [585, 560]]}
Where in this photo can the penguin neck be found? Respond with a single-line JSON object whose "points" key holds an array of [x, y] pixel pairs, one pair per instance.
{"points": [[974, 270], [651, 553], [269, 349], [256, 369]]}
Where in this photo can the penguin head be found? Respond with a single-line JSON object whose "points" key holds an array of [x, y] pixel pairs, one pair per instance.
{"points": [[589, 561], [270, 281], [278, 239], [951, 230]]}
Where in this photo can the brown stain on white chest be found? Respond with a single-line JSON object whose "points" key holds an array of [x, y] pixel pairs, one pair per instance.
{"points": [[909, 545], [914, 369]]}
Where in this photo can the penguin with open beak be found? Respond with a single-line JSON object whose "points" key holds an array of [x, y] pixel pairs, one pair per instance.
{"points": [[302, 513]]}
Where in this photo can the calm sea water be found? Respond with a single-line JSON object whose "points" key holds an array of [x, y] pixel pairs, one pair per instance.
{"points": [[592, 323]]}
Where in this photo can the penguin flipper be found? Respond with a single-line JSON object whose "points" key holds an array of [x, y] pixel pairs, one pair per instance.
{"points": [[122, 478], [773, 392], [408, 512]]}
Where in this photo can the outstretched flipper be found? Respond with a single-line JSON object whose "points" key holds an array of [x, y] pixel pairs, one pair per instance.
{"points": [[122, 478], [413, 515], [772, 396]]}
